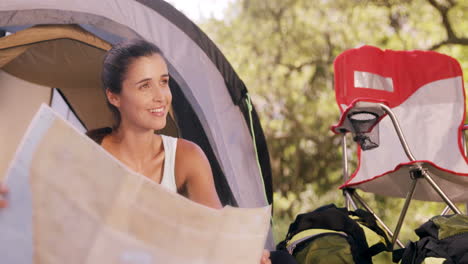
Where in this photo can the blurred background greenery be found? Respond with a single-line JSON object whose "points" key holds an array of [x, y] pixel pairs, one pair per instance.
{"points": [[284, 51]]}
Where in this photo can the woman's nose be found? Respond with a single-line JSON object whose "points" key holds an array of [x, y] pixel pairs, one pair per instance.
{"points": [[158, 94]]}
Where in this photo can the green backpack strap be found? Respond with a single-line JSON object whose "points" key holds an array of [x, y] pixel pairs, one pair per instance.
{"points": [[307, 235], [377, 248], [376, 236]]}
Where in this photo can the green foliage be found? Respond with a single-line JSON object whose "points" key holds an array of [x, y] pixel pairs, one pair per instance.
{"points": [[284, 52]]}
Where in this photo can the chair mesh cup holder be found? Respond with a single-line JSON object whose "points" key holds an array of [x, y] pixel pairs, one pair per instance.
{"points": [[366, 130]]}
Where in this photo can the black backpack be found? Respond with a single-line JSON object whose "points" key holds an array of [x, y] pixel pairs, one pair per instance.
{"points": [[444, 237], [329, 226]]}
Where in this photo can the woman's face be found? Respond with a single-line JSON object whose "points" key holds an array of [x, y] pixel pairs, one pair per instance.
{"points": [[145, 97]]}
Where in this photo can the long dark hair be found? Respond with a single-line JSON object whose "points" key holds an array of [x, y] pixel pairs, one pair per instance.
{"points": [[115, 67]]}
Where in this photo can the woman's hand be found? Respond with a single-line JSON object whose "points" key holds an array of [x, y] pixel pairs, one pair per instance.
{"points": [[265, 257], [3, 191]]}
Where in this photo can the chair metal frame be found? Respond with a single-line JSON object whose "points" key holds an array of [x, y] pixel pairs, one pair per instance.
{"points": [[417, 172]]}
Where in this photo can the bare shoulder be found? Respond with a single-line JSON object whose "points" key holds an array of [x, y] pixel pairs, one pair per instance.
{"points": [[190, 161], [194, 174], [189, 150]]}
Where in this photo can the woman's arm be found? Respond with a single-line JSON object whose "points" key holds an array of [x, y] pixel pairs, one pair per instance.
{"points": [[193, 174]]}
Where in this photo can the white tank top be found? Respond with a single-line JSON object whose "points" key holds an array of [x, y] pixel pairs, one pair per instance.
{"points": [[168, 179]]}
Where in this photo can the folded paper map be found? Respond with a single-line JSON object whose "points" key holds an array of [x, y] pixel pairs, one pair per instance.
{"points": [[72, 202]]}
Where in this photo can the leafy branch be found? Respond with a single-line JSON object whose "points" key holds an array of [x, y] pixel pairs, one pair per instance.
{"points": [[452, 37]]}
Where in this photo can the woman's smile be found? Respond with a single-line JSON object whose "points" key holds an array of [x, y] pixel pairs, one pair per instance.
{"points": [[158, 111]]}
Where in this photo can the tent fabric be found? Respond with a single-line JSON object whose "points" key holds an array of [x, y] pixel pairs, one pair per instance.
{"points": [[204, 76], [235, 86], [23, 99], [10, 54], [77, 75], [61, 56], [428, 99], [50, 32]]}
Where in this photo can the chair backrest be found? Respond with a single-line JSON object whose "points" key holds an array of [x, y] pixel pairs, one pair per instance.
{"points": [[425, 91], [371, 74]]}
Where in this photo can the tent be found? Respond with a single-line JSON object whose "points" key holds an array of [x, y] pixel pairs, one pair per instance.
{"points": [[51, 51]]}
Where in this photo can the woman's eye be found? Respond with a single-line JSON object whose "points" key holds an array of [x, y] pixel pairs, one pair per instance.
{"points": [[164, 82], [145, 86]]}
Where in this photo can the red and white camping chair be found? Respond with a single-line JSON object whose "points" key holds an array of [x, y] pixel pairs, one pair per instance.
{"points": [[406, 110]]}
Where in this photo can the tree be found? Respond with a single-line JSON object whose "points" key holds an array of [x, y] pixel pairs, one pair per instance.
{"points": [[284, 52]]}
